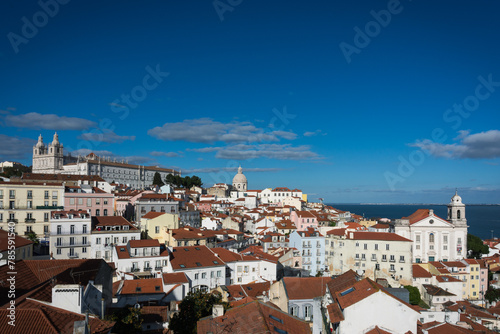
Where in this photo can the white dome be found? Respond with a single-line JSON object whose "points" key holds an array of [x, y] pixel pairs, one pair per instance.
{"points": [[456, 199], [240, 177]]}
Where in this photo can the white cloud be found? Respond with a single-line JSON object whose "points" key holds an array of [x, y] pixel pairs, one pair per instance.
{"points": [[34, 120], [165, 154], [106, 137], [483, 145], [229, 169], [270, 151], [206, 130], [15, 148], [204, 149], [314, 133]]}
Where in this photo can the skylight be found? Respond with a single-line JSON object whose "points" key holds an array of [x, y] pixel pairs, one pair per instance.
{"points": [[215, 262], [343, 293], [198, 264], [276, 319], [280, 331], [182, 266]]}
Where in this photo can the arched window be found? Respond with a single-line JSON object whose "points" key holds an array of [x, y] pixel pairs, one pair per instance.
{"points": [[458, 214], [431, 237], [294, 310]]}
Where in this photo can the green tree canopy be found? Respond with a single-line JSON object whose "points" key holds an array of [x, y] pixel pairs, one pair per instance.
{"points": [[414, 294], [475, 247], [128, 320], [157, 180], [185, 182], [492, 295], [195, 306]]}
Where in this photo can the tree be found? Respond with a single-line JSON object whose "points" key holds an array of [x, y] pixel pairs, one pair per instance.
{"points": [[157, 180], [475, 247], [196, 181], [195, 306], [170, 179], [33, 237], [128, 320], [414, 294], [492, 295]]}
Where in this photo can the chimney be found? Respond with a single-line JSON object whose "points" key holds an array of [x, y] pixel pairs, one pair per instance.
{"points": [[217, 311], [431, 212]]}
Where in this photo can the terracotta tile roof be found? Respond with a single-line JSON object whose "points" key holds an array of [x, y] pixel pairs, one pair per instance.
{"points": [[193, 257], [377, 330], [419, 215], [446, 278], [342, 281], [172, 278], [355, 293], [228, 256], [142, 286], [18, 241], [335, 313], [156, 314], [153, 214], [60, 319], [471, 310], [254, 290], [420, 272], [144, 243], [457, 264], [259, 253], [234, 303], [305, 287], [112, 221], [60, 177], [254, 317], [337, 231], [384, 236], [305, 214], [436, 291], [281, 189]]}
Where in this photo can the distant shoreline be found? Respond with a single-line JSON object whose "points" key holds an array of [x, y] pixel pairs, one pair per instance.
{"points": [[444, 204]]}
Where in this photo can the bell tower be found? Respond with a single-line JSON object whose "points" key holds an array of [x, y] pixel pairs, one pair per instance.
{"points": [[456, 211]]}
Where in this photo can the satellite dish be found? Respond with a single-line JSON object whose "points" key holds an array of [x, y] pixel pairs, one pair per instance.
{"points": [[137, 306]]}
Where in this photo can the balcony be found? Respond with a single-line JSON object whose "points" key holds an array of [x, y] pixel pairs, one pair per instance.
{"points": [[384, 259], [148, 269], [70, 233], [72, 256], [160, 268], [29, 220], [374, 259], [306, 246], [135, 270], [49, 207], [75, 244], [28, 233], [392, 260], [392, 270], [12, 221], [401, 261]]}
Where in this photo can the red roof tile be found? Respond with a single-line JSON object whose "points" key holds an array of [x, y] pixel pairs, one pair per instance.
{"points": [[142, 286], [419, 272], [305, 287], [194, 257], [144, 243]]}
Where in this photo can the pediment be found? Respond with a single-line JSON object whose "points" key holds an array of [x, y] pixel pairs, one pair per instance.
{"points": [[432, 221]]}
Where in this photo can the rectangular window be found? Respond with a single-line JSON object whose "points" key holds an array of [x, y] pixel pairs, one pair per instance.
{"points": [[105, 202], [98, 201], [203, 275], [30, 194], [46, 194], [59, 228], [365, 246], [58, 251], [59, 241], [72, 201], [376, 246], [80, 201], [393, 258], [84, 249], [98, 254], [445, 239], [72, 229], [12, 194], [54, 194], [72, 241], [98, 241], [417, 238], [45, 228], [84, 240], [196, 276], [387, 247], [157, 229], [124, 240], [89, 201]]}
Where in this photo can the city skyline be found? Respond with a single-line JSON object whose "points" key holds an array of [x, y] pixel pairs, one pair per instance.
{"points": [[386, 102]]}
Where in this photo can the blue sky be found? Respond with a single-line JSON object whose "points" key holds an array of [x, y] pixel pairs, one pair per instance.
{"points": [[366, 101]]}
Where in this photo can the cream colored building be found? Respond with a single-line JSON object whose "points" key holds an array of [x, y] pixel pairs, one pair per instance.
{"points": [[372, 254], [27, 206], [156, 224]]}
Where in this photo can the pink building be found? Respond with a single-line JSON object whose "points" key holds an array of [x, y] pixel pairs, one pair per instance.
{"points": [[303, 220], [94, 200]]}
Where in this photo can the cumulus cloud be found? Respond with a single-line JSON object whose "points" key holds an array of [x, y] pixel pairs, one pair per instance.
{"points": [[15, 148], [483, 145], [270, 151], [204, 149], [106, 137], [314, 133], [34, 120], [165, 154], [206, 130], [229, 169]]}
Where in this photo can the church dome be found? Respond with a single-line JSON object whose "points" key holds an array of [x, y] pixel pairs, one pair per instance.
{"points": [[240, 177]]}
